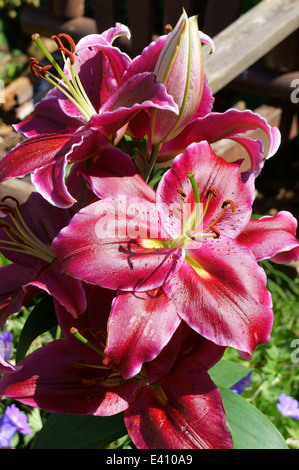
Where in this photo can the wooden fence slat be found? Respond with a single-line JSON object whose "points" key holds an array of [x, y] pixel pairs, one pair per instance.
{"points": [[248, 39]]}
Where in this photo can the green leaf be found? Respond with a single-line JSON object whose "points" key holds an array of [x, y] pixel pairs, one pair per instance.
{"points": [[79, 431], [226, 373], [157, 176], [130, 146], [250, 429], [41, 319]]}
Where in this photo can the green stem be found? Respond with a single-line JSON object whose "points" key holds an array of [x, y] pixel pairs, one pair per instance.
{"points": [[152, 162]]}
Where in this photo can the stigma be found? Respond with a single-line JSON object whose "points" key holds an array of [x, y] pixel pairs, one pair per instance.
{"points": [[68, 81]]}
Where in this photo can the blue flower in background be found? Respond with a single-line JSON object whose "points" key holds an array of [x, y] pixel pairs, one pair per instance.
{"points": [[6, 339], [288, 406], [240, 386], [11, 421]]}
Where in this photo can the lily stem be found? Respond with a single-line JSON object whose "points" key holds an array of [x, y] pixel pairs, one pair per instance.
{"points": [[152, 161]]}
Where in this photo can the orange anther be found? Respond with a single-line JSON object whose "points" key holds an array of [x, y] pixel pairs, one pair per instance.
{"points": [[62, 48], [229, 203], [212, 191], [217, 233], [181, 192]]}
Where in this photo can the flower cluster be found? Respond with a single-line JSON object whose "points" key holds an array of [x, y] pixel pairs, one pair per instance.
{"points": [[150, 283], [12, 421]]}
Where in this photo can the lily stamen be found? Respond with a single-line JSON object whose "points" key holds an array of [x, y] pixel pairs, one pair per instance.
{"points": [[110, 376], [22, 239], [62, 48], [85, 341], [72, 88], [191, 224], [229, 203]]}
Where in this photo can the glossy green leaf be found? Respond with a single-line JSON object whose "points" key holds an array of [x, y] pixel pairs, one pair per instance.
{"points": [[80, 431], [250, 429], [157, 177], [226, 373], [41, 319]]}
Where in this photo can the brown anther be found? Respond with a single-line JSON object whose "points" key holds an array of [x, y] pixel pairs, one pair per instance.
{"points": [[12, 198], [89, 330], [181, 192], [212, 191], [57, 40], [6, 209], [217, 233], [168, 28], [229, 203]]}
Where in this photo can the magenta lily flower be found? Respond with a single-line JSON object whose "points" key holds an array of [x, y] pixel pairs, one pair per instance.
{"points": [[180, 68], [175, 390], [194, 125], [169, 268], [26, 233], [88, 110]]}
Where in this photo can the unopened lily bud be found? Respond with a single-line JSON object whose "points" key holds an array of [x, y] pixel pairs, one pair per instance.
{"points": [[180, 69]]}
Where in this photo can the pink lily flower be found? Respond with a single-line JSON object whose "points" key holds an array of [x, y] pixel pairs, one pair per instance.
{"points": [[168, 271], [88, 110], [196, 122], [269, 237], [174, 391], [180, 68], [26, 233]]}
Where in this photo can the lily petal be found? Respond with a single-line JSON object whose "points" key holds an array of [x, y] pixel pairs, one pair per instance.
{"points": [[222, 295], [66, 290], [216, 126], [50, 183], [139, 336], [36, 152], [102, 246], [137, 93], [7, 367], [12, 279], [49, 380], [48, 117], [272, 237], [113, 172], [210, 171], [192, 403]]}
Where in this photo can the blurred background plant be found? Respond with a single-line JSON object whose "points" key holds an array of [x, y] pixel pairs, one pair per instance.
{"points": [[13, 42]]}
